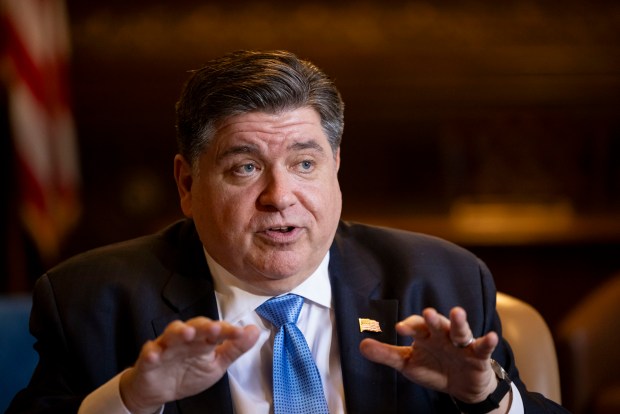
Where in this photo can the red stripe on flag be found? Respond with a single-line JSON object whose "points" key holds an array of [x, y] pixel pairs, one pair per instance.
{"points": [[23, 64], [43, 132]]}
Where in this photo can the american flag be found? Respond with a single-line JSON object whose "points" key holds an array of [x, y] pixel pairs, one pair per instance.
{"points": [[35, 54], [369, 325]]}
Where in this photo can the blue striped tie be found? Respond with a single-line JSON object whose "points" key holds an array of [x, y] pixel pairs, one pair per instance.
{"points": [[297, 384]]}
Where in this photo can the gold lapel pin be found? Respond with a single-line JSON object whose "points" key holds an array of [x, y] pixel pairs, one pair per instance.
{"points": [[369, 325]]}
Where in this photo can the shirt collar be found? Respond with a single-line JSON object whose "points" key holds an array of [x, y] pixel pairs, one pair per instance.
{"points": [[234, 300]]}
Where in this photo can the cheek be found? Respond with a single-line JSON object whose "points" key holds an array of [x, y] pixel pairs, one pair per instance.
{"points": [[326, 201], [222, 222], [335, 204], [230, 209]]}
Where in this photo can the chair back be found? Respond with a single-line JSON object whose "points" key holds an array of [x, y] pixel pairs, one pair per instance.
{"points": [[17, 356], [532, 344], [588, 340]]}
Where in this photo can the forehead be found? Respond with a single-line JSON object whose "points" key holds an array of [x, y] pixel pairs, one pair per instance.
{"points": [[272, 128]]}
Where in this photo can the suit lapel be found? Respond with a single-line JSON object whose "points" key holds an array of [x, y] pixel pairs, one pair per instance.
{"points": [[369, 387], [189, 293]]}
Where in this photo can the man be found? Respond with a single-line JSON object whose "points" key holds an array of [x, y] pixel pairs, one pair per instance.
{"points": [[172, 321]]}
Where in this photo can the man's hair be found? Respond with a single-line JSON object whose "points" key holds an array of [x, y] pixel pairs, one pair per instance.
{"points": [[252, 81]]}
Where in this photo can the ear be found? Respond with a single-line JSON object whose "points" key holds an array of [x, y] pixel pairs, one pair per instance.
{"points": [[338, 159], [184, 179]]}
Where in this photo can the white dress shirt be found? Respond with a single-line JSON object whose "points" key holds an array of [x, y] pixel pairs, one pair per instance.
{"points": [[250, 376]]}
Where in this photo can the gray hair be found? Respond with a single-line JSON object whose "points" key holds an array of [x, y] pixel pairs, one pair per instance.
{"points": [[249, 81]]}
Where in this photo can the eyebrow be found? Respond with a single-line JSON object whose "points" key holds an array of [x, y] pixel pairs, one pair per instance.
{"points": [[311, 144], [238, 149], [254, 149]]}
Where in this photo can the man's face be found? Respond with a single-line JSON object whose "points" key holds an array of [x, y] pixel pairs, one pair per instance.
{"points": [[265, 197]]}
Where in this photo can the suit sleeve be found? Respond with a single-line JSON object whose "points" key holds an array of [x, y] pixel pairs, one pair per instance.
{"points": [[52, 388]]}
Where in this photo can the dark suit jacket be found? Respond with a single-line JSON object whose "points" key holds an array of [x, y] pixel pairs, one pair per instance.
{"points": [[92, 314]]}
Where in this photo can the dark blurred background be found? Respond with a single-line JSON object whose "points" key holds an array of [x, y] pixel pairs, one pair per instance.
{"points": [[493, 124]]}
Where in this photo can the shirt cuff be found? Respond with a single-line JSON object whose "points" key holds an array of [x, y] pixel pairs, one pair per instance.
{"points": [[516, 407], [106, 399]]}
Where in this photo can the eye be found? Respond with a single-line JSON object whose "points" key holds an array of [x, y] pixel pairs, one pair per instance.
{"points": [[245, 169], [306, 166]]}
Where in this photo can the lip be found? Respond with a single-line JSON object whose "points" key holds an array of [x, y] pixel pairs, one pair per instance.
{"points": [[281, 234]]}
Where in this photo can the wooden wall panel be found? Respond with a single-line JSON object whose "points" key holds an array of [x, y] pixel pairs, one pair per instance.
{"points": [[462, 100]]}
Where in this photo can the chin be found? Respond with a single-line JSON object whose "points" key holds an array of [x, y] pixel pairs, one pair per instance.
{"points": [[283, 276], [280, 274]]}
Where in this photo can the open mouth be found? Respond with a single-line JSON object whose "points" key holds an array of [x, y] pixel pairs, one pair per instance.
{"points": [[285, 229]]}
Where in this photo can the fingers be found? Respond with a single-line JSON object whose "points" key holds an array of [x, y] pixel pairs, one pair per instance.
{"points": [[390, 355], [484, 346], [437, 323], [176, 333], [199, 330], [232, 349], [431, 325], [229, 340], [460, 333], [199, 337], [413, 326]]}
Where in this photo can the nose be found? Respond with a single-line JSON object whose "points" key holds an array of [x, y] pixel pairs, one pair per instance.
{"points": [[278, 190]]}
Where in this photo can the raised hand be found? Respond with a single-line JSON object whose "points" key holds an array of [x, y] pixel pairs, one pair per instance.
{"points": [[443, 356], [186, 359]]}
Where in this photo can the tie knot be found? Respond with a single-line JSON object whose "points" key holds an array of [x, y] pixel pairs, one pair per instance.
{"points": [[282, 309]]}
